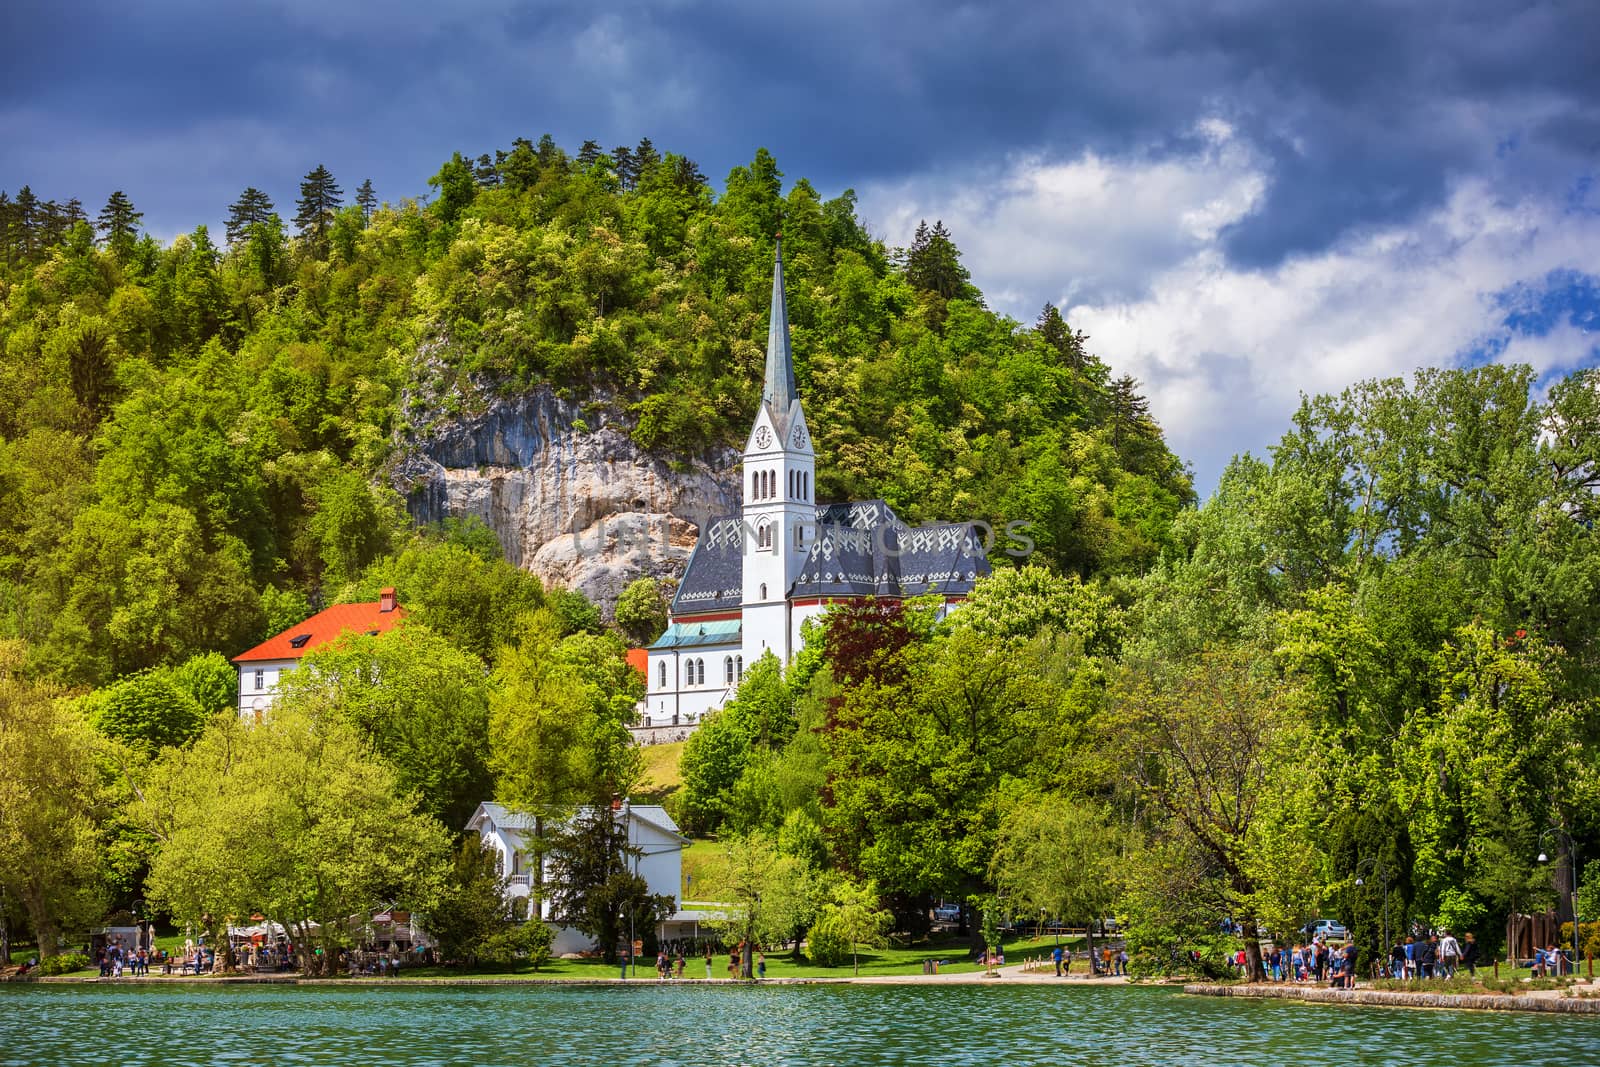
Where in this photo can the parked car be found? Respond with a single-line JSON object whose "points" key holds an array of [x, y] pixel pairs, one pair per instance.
{"points": [[1328, 929], [946, 913]]}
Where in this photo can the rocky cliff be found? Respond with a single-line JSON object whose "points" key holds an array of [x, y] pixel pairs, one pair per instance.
{"points": [[570, 495]]}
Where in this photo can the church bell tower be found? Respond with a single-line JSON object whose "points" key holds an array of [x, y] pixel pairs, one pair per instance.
{"points": [[779, 512]]}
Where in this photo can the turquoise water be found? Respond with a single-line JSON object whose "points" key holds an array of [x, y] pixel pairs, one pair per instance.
{"points": [[903, 1026]]}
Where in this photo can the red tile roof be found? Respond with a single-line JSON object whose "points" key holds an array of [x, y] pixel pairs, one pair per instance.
{"points": [[639, 660], [323, 627]]}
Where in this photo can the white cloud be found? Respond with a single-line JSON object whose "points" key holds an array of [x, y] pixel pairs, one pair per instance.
{"points": [[1132, 248]]}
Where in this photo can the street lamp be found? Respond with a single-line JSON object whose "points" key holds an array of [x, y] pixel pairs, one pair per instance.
{"points": [[1572, 868], [1376, 866]]}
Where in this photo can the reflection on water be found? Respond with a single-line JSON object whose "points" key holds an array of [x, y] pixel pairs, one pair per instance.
{"points": [[894, 1026]]}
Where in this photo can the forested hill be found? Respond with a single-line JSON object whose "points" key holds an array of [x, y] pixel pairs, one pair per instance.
{"points": [[194, 437]]}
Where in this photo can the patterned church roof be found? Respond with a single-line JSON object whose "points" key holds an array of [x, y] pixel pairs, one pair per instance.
{"points": [[860, 549]]}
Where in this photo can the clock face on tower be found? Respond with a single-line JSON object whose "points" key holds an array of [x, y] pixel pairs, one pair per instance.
{"points": [[763, 437], [799, 437]]}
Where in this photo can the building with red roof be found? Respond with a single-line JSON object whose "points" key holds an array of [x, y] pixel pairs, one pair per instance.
{"points": [[263, 667]]}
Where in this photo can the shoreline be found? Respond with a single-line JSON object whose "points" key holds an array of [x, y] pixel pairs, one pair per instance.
{"points": [[1537, 1001], [1012, 975]]}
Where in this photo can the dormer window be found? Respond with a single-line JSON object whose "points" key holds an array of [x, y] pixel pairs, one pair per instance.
{"points": [[299, 640]]}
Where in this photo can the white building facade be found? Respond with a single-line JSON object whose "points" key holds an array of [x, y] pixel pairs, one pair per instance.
{"points": [[755, 578], [650, 830]]}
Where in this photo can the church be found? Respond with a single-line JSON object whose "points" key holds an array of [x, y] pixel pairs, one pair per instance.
{"points": [[754, 578]]}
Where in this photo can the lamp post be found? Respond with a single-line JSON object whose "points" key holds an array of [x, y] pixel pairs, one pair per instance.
{"points": [[1572, 869], [1376, 866]]}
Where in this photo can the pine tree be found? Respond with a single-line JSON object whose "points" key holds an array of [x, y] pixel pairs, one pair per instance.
{"points": [[1129, 414], [8, 249], [627, 167], [645, 157], [319, 202], [485, 173], [119, 224], [686, 173], [550, 153], [521, 167], [934, 264], [26, 215], [588, 154], [1053, 330], [367, 200], [253, 206]]}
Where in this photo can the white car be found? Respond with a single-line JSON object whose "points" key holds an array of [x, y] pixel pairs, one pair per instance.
{"points": [[1328, 929]]}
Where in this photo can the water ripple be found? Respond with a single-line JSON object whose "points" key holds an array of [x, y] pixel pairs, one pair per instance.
{"points": [[825, 1026]]}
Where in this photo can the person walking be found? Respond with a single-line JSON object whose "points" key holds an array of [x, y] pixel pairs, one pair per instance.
{"points": [[761, 965], [1057, 955], [1449, 955], [1469, 955]]}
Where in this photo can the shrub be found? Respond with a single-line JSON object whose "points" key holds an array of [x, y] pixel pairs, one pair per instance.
{"points": [[63, 964], [826, 944], [527, 942]]}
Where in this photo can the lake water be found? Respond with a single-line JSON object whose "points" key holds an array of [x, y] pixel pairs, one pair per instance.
{"points": [[902, 1026]]}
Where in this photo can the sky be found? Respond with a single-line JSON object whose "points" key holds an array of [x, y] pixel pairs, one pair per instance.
{"points": [[1238, 201]]}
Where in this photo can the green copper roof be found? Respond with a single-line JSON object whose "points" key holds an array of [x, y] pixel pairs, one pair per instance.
{"points": [[693, 634]]}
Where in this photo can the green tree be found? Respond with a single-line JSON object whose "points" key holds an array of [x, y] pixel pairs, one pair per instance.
{"points": [[767, 896], [366, 200], [289, 818], [1205, 741], [252, 208], [51, 802], [320, 197], [593, 880], [852, 915], [1057, 856], [642, 610], [118, 224], [420, 705], [457, 186]]}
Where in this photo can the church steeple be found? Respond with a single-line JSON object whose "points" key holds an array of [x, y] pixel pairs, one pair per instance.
{"points": [[779, 389]]}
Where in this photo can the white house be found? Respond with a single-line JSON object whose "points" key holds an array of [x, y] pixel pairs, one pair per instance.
{"points": [[650, 830], [263, 667], [754, 578]]}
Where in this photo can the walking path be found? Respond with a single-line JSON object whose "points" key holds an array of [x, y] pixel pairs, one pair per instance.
{"points": [[1549, 1000]]}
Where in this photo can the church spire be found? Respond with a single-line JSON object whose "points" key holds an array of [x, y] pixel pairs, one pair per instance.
{"points": [[779, 389]]}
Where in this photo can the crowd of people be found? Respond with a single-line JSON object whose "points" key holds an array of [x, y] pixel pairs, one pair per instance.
{"points": [[1435, 955]]}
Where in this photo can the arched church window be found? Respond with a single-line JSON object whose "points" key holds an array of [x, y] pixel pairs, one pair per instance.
{"points": [[763, 590], [806, 485], [738, 666], [799, 536], [727, 670], [755, 484], [663, 675], [700, 671]]}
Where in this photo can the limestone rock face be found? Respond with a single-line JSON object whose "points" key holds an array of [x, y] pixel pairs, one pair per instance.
{"points": [[572, 498]]}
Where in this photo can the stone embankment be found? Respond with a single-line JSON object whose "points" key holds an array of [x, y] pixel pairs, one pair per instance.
{"points": [[1547, 1000]]}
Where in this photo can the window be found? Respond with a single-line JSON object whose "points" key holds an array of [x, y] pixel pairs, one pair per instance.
{"points": [[299, 640], [727, 670], [763, 590], [700, 671], [799, 536], [755, 484], [738, 666], [663, 675], [806, 485], [261, 679], [764, 535]]}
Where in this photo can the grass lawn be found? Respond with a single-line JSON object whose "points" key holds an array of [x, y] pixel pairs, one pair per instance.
{"points": [[701, 862], [661, 778]]}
